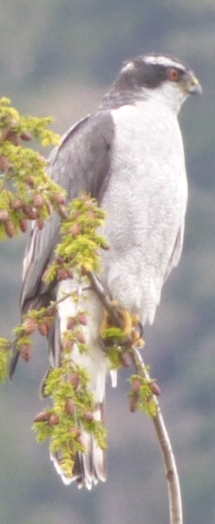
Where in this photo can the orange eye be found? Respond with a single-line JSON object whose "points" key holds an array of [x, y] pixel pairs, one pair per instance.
{"points": [[173, 75]]}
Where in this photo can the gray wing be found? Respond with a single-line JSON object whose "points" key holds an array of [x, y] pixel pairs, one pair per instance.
{"points": [[80, 163]]}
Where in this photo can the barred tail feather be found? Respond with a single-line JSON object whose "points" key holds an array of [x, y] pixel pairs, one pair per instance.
{"points": [[90, 465]]}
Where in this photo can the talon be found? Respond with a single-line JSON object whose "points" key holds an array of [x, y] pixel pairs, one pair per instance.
{"points": [[131, 326], [140, 343], [125, 317]]}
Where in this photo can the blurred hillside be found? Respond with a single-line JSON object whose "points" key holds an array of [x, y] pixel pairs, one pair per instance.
{"points": [[58, 57]]}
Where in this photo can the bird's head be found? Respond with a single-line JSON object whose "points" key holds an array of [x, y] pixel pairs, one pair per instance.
{"points": [[156, 76]]}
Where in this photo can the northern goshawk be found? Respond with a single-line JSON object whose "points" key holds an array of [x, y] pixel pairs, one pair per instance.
{"points": [[128, 155]]}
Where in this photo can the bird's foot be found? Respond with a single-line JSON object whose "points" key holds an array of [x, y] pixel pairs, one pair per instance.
{"points": [[130, 327]]}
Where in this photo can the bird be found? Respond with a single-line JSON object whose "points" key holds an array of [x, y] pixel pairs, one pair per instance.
{"points": [[128, 155]]}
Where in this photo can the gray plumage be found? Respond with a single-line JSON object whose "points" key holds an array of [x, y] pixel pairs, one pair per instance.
{"points": [[128, 155]]}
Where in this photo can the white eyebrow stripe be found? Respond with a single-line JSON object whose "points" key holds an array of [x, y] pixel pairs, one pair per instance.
{"points": [[162, 60], [129, 66]]}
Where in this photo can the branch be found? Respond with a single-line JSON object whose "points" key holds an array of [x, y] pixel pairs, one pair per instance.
{"points": [[175, 502], [174, 492], [109, 306]]}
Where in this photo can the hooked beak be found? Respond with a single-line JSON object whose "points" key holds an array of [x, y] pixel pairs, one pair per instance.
{"points": [[194, 87]]}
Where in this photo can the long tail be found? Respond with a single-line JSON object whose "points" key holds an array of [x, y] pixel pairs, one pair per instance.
{"points": [[89, 466]]}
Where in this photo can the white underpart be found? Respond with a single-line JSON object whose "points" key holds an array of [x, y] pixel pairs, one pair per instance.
{"points": [[173, 96], [145, 202]]}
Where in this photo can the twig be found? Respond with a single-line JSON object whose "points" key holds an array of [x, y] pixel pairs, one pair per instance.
{"points": [[174, 492], [111, 308], [13, 345]]}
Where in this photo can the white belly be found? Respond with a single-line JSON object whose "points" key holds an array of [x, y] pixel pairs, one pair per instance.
{"points": [[145, 202]]}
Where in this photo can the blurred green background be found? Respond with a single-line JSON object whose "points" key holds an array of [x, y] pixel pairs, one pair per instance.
{"points": [[58, 57]]}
